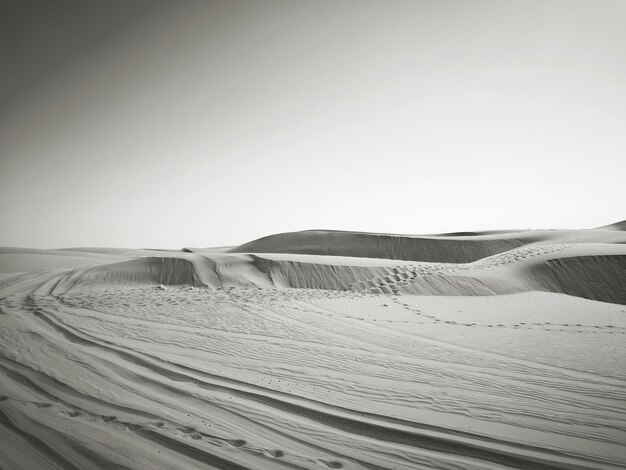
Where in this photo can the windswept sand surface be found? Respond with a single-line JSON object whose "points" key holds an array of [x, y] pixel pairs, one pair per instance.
{"points": [[319, 349]]}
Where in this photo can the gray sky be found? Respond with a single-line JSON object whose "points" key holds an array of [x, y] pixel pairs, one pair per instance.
{"points": [[143, 124]]}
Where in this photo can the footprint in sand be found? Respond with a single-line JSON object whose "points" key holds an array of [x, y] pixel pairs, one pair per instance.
{"points": [[274, 453], [42, 405], [331, 463], [191, 432], [237, 442], [133, 427]]}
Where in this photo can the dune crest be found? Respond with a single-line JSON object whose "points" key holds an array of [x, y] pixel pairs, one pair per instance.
{"points": [[589, 265]]}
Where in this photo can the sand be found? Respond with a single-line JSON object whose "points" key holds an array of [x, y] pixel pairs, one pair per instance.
{"points": [[319, 349]]}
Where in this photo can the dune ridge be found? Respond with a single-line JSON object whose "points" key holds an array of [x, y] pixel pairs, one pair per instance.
{"points": [[589, 270]]}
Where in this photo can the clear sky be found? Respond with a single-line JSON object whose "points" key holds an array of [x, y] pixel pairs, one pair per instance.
{"points": [[147, 124]]}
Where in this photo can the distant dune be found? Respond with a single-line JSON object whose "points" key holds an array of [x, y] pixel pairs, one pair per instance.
{"points": [[621, 226], [454, 248], [319, 349], [442, 249]]}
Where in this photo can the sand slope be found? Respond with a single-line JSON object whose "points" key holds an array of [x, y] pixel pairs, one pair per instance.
{"points": [[318, 350]]}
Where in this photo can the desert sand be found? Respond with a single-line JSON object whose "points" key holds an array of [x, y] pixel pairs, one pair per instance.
{"points": [[319, 349]]}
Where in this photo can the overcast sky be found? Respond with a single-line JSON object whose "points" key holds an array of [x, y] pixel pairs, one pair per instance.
{"points": [[147, 124]]}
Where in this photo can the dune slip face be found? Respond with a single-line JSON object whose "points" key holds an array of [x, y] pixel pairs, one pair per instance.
{"points": [[319, 349]]}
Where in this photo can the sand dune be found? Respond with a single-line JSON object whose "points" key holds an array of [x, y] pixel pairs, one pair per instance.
{"points": [[621, 226], [582, 268], [371, 245], [455, 248], [592, 277], [319, 349]]}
